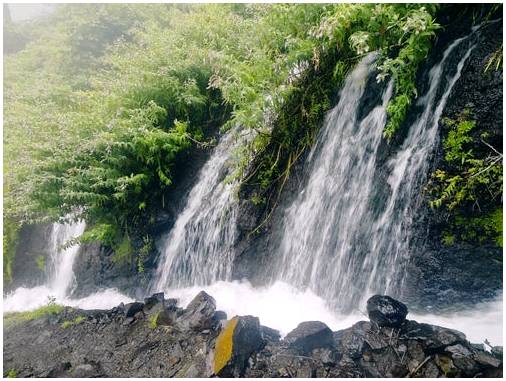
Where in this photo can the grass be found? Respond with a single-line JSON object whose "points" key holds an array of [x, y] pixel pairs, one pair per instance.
{"points": [[152, 320], [14, 318], [12, 373], [69, 323]]}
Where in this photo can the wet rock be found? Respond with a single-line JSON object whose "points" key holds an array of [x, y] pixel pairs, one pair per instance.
{"points": [[164, 317], [121, 346], [446, 365], [386, 311], [132, 308], [351, 341], [199, 313], [434, 337], [220, 315], [487, 360], [59, 370], [236, 343], [153, 300], [310, 335], [462, 358], [480, 347], [86, 371], [171, 302], [270, 334], [430, 370], [497, 352]]}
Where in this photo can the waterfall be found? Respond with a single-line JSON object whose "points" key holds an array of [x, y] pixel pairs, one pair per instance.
{"points": [[60, 280], [343, 238], [60, 273], [198, 249]]}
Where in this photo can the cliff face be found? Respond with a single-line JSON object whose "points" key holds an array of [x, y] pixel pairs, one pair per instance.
{"points": [[462, 272], [159, 339], [33, 244], [439, 275]]}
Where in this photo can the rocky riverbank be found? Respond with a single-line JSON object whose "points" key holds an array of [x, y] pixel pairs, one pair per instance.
{"points": [[157, 338]]}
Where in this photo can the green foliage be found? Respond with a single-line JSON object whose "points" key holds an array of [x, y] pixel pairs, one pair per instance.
{"points": [[473, 181], [327, 43], [152, 320], [12, 373], [448, 239], [15, 318], [105, 101], [415, 32], [495, 60], [472, 176], [10, 241], [123, 251], [144, 251], [41, 263], [101, 109], [68, 323]]}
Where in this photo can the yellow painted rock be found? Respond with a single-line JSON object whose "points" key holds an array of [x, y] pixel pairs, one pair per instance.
{"points": [[240, 338]]}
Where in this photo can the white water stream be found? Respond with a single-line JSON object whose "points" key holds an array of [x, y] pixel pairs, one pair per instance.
{"points": [[60, 278], [199, 248], [346, 236]]}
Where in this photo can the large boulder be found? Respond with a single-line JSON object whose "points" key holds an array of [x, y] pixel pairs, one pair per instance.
{"points": [[198, 315], [241, 337], [310, 335], [386, 311]]}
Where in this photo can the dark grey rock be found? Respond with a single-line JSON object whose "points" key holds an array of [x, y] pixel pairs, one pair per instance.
{"points": [[153, 300], [132, 308], [164, 317], [198, 315], [310, 335], [386, 311], [485, 359], [220, 315], [497, 352], [270, 334]]}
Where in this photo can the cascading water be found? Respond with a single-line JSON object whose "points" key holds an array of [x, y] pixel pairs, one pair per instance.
{"points": [[199, 248], [60, 273], [342, 238], [60, 277]]}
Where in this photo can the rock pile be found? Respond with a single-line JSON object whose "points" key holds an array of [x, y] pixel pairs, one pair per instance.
{"points": [[159, 339]]}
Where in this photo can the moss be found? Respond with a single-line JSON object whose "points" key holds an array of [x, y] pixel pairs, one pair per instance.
{"points": [[448, 239], [69, 323], [469, 183], [123, 252], [12, 373], [483, 228], [153, 320], [41, 263], [446, 365], [10, 242], [15, 318], [224, 346]]}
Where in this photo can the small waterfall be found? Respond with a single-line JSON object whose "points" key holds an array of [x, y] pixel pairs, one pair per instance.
{"points": [[60, 273], [408, 171], [198, 249], [343, 238]]}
